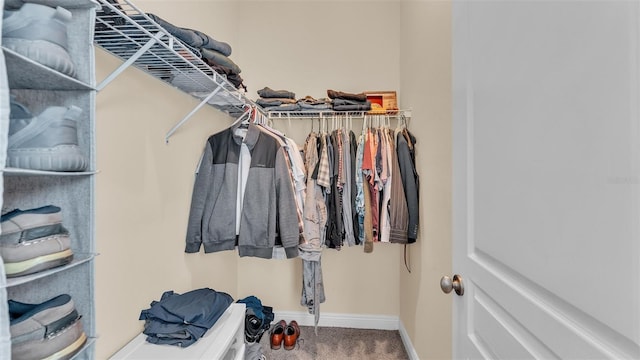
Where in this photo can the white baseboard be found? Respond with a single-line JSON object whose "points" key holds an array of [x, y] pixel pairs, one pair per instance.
{"points": [[378, 322], [408, 345]]}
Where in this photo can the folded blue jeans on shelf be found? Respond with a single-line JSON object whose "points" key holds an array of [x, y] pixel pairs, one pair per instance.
{"points": [[274, 101], [307, 106], [267, 92], [194, 38], [284, 107]]}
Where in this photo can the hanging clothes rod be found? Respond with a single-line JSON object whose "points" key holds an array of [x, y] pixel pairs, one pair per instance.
{"points": [[330, 113]]}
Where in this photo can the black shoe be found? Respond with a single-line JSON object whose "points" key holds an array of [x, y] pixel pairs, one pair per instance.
{"points": [[252, 327]]}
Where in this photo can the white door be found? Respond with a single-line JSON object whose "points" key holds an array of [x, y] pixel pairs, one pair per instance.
{"points": [[546, 203]]}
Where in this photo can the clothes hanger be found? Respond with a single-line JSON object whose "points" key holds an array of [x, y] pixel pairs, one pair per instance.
{"points": [[403, 121], [365, 121], [242, 118]]}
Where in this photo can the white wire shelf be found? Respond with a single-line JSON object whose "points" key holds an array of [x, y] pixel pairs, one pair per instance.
{"points": [[129, 34]]}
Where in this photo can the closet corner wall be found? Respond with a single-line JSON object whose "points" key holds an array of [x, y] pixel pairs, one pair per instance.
{"points": [[39, 87]]}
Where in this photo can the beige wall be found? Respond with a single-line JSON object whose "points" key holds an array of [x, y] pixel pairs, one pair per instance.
{"points": [[144, 187], [142, 200], [426, 87]]}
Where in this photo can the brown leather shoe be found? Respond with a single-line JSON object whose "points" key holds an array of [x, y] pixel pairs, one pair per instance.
{"points": [[291, 334], [277, 334]]}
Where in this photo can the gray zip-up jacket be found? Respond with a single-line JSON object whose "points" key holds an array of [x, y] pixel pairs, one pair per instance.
{"points": [[269, 208]]}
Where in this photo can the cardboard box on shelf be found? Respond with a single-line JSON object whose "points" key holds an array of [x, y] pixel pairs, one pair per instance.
{"points": [[382, 102]]}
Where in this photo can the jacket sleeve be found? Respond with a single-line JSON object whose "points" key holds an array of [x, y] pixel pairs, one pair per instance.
{"points": [[198, 200], [287, 214], [410, 184]]}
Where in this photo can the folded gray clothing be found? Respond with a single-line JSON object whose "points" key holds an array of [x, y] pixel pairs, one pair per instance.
{"points": [[284, 107], [267, 92], [193, 38], [361, 107], [214, 57], [344, 95], [274, 101], [266, 102]]}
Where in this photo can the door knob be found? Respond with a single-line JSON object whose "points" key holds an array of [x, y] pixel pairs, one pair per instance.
{"points": [[446, 284]]}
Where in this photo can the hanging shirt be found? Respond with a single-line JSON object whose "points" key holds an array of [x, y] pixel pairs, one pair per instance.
{"points": [[315, 211], [387, 176], [398, 212], [359, 188], [347, 206], [244, 162]]}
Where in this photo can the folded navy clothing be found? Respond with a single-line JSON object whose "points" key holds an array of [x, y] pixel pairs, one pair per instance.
{"points": [[182, 335], [182, 319], [267, 92]]}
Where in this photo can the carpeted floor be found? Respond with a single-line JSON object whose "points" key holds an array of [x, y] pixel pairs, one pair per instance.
{"points": [[340, 343]]}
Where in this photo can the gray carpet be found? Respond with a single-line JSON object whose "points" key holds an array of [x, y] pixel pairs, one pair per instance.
{"points": [[340, 343]]}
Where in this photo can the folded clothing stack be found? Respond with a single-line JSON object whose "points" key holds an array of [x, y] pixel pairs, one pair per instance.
{"points": [[215, 53], [309, 103], [284, 100], [343, 101], [277, 100], [181, 320]]}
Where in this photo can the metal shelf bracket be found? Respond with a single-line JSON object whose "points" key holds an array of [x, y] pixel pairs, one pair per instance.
{"points": [[188, 116], [131, 60]]}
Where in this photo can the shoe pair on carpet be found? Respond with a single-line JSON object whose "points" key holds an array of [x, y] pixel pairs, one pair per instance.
{"points": [[285, 335]]}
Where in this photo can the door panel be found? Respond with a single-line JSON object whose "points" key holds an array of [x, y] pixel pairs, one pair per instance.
{"points": [[546, 177]]}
